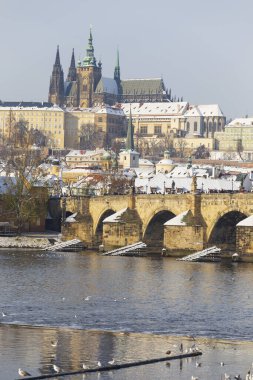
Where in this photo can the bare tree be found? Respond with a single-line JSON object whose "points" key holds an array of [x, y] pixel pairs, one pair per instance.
{"points": [[181, 146], [90, 136], [23, 198]]}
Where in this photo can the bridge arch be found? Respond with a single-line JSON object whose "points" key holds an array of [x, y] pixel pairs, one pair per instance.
{"points": [[154, 232], [98, 229], [223, 230]]}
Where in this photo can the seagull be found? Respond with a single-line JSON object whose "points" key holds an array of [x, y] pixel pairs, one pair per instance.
{"points": [[84, 366], [111, 362], [63, 299], [227, 377], [87, 298], [23, 373], [3, 314], [54, 343], [168, 352], [198, 364], [56, 368], [99, 364], [222, 364], [238, 377], [195, 378]]}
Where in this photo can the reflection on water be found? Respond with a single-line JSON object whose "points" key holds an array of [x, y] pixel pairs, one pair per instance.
{"points": [[31, 348], [86, 291]]}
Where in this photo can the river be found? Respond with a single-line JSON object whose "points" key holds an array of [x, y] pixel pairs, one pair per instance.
{"points": [[99, 308]]}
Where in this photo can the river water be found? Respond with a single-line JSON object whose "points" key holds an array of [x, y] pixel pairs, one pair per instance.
{"points": [[99, 308]]}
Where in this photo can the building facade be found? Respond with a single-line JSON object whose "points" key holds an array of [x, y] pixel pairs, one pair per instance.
{"points": [[43, 117]]}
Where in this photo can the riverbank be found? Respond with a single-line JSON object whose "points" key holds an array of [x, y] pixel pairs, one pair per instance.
{"points": [[21, 242]]}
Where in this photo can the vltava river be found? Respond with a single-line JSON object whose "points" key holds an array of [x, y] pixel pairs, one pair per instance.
{"points": [[132, 305]]}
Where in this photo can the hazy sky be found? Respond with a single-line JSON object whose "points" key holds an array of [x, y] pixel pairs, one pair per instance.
{"points": [[203, 49]]}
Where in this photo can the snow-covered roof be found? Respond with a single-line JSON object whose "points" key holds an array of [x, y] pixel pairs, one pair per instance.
{"points": [[161, 108], [111, 111], [85, 153], [206, 110], [248, 222], [177, 220], [165, 161], [145, 162], [160, 180], [54, 108], [114, 218], [243, 121]]}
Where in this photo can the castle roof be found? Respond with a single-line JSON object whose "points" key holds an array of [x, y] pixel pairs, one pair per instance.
{"points": [[70, 88], [143, 86], [107, 85]]}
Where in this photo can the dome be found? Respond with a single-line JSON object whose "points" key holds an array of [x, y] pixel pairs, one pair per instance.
{"points": [[106, 156]]}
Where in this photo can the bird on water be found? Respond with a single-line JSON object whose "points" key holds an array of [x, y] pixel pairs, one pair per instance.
{"points": [[168, 352], [23, 373], [99, 364], [54, 343]]}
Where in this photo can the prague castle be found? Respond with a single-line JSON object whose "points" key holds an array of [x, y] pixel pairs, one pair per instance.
{"points": [[86, 87]]}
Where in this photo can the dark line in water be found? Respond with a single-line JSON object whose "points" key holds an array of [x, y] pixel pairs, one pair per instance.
{"points": [[115, 367]]}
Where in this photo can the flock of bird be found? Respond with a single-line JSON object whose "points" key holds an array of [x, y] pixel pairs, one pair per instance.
{"points": [[193, 348], [57, 369]]}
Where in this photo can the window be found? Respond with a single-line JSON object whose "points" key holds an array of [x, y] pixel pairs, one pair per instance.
{"points": [[100, 119], [133, 158], [144, 130], [195, 126], [188, 126], [157, 129]]}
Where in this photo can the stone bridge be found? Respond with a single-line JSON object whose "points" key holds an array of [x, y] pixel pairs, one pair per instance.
{"points": [[214, 216]]}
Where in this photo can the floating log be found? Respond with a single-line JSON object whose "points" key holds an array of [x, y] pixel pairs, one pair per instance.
{"points": [[114, 366]]}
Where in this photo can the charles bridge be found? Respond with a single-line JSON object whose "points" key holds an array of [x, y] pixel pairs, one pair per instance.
{"points": [[203, 220]]}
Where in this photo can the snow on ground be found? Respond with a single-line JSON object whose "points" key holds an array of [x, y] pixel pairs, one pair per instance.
{"points": [[23, 242]]}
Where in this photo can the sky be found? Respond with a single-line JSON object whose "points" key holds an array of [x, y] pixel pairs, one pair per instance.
{"points": [[203, 49]]}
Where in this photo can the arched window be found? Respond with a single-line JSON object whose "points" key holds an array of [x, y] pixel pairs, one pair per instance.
{"points": [[188, 126], [195, 126]]}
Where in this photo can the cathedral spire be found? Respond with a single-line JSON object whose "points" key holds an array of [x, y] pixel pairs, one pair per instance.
{"points": [[57, 58], [130, 133], [56, 88], [72, 69], [117, 68]]}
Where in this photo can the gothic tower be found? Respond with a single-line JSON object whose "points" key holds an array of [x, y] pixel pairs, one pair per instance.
{"points": [[88, 75], [56, 88], [72, 69]]}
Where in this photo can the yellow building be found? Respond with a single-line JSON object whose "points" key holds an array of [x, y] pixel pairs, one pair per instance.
{"points": [[41, 116], [108, 123], [159, 119]]}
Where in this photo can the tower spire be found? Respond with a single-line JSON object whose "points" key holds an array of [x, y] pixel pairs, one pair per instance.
{"points": [[90, 59], [130, 133], [117, 68], [57, 58], [56, 88], [72, 69]]}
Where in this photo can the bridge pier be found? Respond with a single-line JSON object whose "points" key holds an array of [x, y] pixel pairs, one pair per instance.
{"points": [[122, 228]]}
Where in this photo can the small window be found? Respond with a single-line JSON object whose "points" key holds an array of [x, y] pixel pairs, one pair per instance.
{"points": [[195, 126], [144, 130], [158, 129]]}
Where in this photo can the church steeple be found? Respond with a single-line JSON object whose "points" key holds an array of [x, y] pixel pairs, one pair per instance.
{"points": [[56, 88], [72, 69], [130, 133], [117, 68], [90, 59]]}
